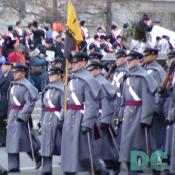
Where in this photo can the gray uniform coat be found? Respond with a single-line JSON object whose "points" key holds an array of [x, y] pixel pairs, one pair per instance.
{"points": [[171, 139], [117, 82], [132, 134], [74, 147], [158, 74], [106, 150], [22, 93], [51, 122]]}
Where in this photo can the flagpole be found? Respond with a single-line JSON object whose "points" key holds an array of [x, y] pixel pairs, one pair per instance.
{"points": [[66, 84]]}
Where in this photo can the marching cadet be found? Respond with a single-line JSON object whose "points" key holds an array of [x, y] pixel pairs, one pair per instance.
{"points": [[105, 115], [169, 100], [52, 119], [3, 171], [23, 96], [158, 73], [5, 80], [138, 101], [82, 108], [118, 78], [152, 66]]}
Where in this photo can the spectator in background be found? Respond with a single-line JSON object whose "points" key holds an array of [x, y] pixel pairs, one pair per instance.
{"points": [[119, 43], [144, 26], [59, 46], [95, 42], [114, 33], [29, 31], [100, 32], [10, 32], [38, 69], [17, 56], [48, 50], [8, 46], [108, 46], [18, 30], [38, 34], [5, 80], [84, 29]]}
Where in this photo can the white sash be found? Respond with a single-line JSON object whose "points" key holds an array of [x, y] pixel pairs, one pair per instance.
{"points": [[74, 96], [14, 97], [150, 71], [51, 105], [132, 92]]}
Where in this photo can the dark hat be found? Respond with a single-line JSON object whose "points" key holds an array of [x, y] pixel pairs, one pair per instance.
{"points": [[134, 55], [20, 68], [18, 23], [96, 55], [55, 70], [150, 51], [35, 23], [10, 28], [57, 61], [96, 36], [121, 53], [82, 22], [30, 24], [81, 56], [49, 41], [145, 17], [94, 65], [171, 54], [113, 26]]}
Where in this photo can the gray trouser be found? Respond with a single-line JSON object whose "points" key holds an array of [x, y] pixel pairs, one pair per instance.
{"points": [[13, 161], [47, 165]]}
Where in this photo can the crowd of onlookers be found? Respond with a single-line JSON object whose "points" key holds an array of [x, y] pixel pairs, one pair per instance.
{"points": [[38, 47]]}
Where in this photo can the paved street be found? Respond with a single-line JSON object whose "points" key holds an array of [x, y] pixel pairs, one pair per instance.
{"points": [[27, 166]]}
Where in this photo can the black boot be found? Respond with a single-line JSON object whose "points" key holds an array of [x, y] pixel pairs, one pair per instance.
{"points": [[47, 173], [67, 173], [3, 172], [102, 172], [38, 160]]}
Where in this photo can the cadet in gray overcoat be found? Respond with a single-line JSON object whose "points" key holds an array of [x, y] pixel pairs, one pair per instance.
{"points": [[52, 118], [23, 96], [138, 101], [83, 92]]}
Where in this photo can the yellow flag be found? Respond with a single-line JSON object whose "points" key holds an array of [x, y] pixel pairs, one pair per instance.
{"points": [[73, 26]]}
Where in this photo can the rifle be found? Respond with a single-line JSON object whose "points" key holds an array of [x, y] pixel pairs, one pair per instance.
{"points": [[168, 76]]}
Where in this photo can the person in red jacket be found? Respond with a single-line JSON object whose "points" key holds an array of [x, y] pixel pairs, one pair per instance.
{"points": [[17, 56]]}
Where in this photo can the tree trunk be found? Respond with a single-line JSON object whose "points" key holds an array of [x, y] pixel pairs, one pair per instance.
{"points": [[55, 11], [108, 15]]}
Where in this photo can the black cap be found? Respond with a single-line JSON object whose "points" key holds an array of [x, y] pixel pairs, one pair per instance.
{"points": [[55, 70], [20, 68], [121, 53], [145, 17], [49, 40], [58, 61], [94, 65], [150, 51], [81, 56], [134, 55], [96, 55], [96, 36], [171, 54]]}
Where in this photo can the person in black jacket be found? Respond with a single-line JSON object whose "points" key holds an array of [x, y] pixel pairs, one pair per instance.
{"points": [[38, 34], [5, 80], [144, 26]]}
